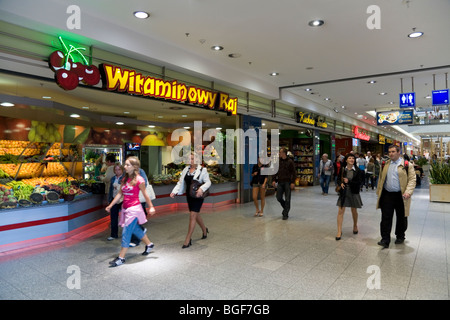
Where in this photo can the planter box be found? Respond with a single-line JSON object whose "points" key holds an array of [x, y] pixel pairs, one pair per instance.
{"points": [[440, 192]]}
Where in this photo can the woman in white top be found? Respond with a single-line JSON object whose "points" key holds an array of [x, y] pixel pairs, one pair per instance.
{"points": [[190, 173]]}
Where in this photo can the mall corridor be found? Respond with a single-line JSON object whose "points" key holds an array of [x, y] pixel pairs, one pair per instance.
{"points": [[249, 258]]}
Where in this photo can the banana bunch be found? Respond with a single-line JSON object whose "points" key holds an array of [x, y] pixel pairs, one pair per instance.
{"points": [[3, 174], [23, 192], [44, 132]]}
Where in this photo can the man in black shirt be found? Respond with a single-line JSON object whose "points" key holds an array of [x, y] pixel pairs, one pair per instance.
{"points": [[285, 178]]}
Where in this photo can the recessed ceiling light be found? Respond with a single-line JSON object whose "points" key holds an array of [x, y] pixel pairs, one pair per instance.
{"points": [[371, 82], [85, 107], [273, 74], [415, 34], [119, 123], [343, 107], [234, 55], [46, 97], [151, 126], [327, 99], [184, 115], [141, 14], [316, 23], [7, 104], [126, 112], [74, 115], [428, 97], [308, 89], [187, 127], [383, 93], [160, 117], [217, 48], [218, 128]]}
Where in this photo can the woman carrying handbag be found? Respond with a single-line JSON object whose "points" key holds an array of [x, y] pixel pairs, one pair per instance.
{"points": [[349, 182], [191, 173]]}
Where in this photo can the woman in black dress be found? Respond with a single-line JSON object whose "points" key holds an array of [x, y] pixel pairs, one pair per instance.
{"points": [[190, 173], [350, 180]]}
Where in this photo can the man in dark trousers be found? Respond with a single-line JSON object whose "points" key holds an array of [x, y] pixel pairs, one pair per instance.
{"points": [[285, 178], [396, 185]]}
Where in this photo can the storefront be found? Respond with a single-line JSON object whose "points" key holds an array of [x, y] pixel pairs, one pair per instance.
{"points": [[49, 148]]}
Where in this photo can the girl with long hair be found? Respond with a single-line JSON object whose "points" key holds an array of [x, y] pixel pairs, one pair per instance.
{"points": [[133, 214]]}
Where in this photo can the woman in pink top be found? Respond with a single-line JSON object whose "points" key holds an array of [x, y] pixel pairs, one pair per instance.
{"points": [[133, 214]]}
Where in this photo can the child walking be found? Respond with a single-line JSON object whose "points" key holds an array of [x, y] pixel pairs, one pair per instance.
{"points": [[133, 214]]}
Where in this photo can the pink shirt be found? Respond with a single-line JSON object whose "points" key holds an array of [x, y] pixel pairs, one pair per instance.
{"points": [[131, 206], [131, 193]]}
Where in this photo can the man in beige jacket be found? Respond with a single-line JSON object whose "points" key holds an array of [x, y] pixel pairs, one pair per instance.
{"points": [[396, 185]]}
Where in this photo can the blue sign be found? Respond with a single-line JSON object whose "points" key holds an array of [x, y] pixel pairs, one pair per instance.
{"points": [[440, 97], [395, 117], [408, 100]]}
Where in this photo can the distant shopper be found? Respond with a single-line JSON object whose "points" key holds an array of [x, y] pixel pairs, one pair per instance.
{"points": [[350, 182], [361, 163], [370, 174], [132, 213], [284, 181], [325, 172], [113, 191], [338, 164], [190, 173], [259, 184], [110, 160], [396, 185]]}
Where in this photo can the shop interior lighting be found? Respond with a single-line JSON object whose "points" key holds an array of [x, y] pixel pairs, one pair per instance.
{"points": [[119, 123], [7, 104], [151, 126], [218, 128], [46, 97], [74, 115], [316, 23], [187, 127], [141, 14]]}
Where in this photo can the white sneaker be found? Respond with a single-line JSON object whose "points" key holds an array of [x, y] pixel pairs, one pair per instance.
{"points": [[117, 262]]}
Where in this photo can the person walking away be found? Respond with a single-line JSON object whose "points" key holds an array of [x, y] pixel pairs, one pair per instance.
{"points": [[113, 190], [350, 182], [190, 173], [132, 213], [325, 172], [361, 162], [370, 174], [259, 183], [395, 187], [284, 181]]}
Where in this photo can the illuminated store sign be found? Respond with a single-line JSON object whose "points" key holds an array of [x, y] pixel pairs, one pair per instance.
{"points": [[71, 67], [360, 135], [381, 139], [130, 81], [307, 118]]}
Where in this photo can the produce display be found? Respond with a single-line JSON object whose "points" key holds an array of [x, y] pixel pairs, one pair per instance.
{"points": [[174, 172], [30, 170]]}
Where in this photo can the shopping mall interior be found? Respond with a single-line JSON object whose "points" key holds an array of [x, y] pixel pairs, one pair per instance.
{"points": [[81, 81]]}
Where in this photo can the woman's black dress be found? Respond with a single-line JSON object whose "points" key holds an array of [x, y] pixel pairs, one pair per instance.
{"points": [[194, 204]]}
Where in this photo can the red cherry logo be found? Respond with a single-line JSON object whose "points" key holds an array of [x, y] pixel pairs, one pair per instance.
{"points": [[68, 80], [91, 75]]}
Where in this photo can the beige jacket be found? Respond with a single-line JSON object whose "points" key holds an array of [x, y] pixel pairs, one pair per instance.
{"points": [[407, 182]]}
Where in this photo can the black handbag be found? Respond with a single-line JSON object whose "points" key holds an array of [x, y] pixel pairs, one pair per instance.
{"points": [[195, 184]]}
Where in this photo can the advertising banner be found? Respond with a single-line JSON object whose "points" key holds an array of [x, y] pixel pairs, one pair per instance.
{"points": [[395, 117]]}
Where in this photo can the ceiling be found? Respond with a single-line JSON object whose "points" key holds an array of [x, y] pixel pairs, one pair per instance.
{"points": [[336, 61]]}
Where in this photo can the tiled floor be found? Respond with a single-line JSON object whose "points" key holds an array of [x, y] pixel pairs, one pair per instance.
{"points": [[251, 258]]}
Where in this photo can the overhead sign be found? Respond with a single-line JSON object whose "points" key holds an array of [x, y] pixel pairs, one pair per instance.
{"points": [[119, 79], [359, 134], [395, 117], [408, 100], [440, 97], [307, 118], [381, 139]]}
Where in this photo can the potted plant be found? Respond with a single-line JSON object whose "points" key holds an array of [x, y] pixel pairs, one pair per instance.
{"points": [[439, 182]]}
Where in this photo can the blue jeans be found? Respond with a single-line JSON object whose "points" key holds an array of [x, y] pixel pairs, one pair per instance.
{"points": [[325, 182], [132, 229]]}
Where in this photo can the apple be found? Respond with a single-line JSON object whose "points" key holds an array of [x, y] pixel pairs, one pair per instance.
{"points": [[67, 80], [56, 60], [91, 75]]}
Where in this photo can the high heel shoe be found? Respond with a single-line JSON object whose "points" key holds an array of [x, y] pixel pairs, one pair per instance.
{"points": [[206, 234], [187, 245], [355, 232], [339, 238]]}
